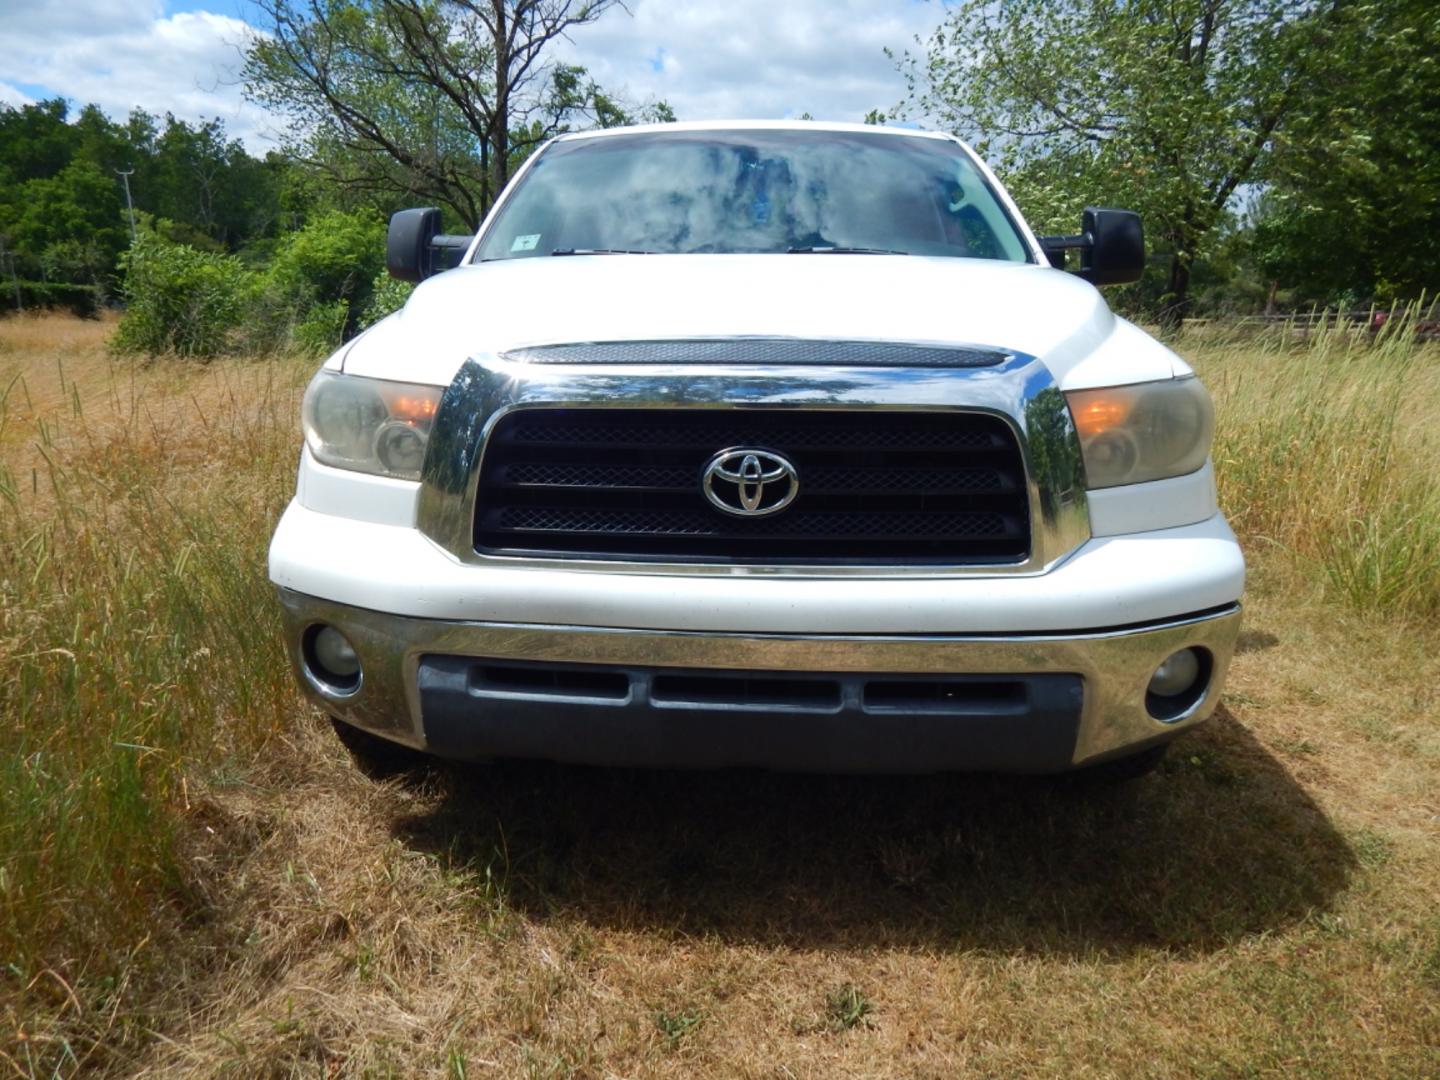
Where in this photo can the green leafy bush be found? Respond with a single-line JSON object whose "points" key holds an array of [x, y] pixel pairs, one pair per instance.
{"points": [[181, 301], [81, 300], [333, 258], [322, 329], [317, 291], [386, 295]]}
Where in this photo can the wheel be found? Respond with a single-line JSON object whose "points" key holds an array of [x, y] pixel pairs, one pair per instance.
{"points": [[377, 758], [1125, 769]]}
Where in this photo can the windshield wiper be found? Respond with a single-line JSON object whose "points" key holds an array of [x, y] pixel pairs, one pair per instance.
{"points": [[842, 251], [599, 251]]}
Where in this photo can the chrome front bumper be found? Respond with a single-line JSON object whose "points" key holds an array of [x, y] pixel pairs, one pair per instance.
{"points": [[1114, 666]]}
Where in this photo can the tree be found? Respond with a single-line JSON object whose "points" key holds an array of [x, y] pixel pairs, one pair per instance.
{"points": [[432, 98], [1167, 106], [36, 142], [195, 174], [62, 215], [1353, 204], [67, 227]]}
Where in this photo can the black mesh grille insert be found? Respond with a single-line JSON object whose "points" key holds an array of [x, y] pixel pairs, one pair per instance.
{"points": [[875, 486]]}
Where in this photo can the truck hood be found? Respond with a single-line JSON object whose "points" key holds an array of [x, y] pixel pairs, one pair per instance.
{"points": [[495, 306]]}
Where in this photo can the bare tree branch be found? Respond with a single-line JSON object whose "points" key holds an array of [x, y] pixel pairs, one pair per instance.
{"points": [[432, 86]]}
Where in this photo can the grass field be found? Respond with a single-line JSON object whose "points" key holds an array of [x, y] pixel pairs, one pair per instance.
{"points": [[194, 880]]}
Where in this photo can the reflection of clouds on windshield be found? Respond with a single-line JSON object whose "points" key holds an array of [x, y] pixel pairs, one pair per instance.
{"points": [[749, 194], [732, 198]]}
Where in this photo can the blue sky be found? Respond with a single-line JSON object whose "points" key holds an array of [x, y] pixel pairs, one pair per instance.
{"points": [[239, 9], [708, 58]]}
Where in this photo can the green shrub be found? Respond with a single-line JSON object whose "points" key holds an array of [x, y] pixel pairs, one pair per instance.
{"points": [[319, 284], [82, 301], [181, 301], [271, 320], [386, 295], [333, 258], [322, 329]]}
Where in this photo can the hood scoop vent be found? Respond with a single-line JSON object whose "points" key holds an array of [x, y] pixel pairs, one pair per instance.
{"points": [[762, 351]]}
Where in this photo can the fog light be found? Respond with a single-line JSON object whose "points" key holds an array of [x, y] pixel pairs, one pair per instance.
{"points": [[331, 660], [336, 654], [1176, 675]]}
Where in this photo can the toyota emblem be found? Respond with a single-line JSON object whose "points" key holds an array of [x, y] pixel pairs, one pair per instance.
{"points": [[750, 483]]}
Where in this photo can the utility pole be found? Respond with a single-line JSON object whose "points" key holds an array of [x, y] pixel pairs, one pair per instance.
{"points": [[130, 206]]}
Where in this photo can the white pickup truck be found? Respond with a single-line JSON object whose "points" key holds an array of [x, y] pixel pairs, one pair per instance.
{"points": [[785, 445]]}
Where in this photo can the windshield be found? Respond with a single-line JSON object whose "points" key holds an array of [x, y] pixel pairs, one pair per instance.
{"points": [[753, 191]]}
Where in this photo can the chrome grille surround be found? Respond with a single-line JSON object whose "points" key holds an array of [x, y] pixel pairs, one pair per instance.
{"points": [[1020, 391]]}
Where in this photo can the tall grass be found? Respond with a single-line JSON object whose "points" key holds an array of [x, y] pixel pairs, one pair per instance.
{"points": [[139, 646], [1326, 448]]}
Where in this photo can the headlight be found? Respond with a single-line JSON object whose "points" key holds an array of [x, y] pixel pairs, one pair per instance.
{"points": [[1130, 434], [370, 425]]}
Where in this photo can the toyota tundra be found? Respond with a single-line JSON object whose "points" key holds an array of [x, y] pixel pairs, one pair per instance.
{"points": [[769, 444]]}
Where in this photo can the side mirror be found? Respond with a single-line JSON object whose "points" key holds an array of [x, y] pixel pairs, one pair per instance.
{"points": [[415, 249], [1111, 245]]}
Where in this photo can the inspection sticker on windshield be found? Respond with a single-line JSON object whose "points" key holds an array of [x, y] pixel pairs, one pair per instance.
{"points": [[526, 242]]}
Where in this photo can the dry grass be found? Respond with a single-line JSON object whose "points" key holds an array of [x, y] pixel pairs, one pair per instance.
{"points": [[1328, 449], [1269, 904], [136, 647]]}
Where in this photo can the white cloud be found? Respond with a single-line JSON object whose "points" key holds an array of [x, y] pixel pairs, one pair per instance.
{"points": [[125, 56], [14, 96], [709, 59], [755, 58]]}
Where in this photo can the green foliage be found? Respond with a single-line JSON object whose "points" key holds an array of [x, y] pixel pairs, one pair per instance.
{"points": [[197, 175], [332, 261], [386, 295], [36, 140], [322, 328], [198, 197], [63, 217], [80, 300], [1354, 204], [67, 227], [196, 303], [181, 301], [846, 1006], [395, 133], [574, 96], [674, 1026]]}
